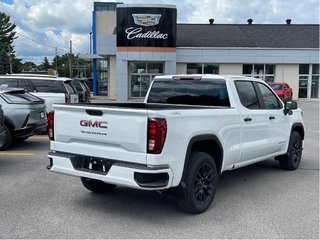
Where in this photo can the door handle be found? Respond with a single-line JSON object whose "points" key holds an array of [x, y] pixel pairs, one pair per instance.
{"points": [[247, 119], [272, 117], [94, 112]]}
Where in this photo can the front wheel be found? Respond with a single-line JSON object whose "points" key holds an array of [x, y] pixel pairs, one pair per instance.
{"points": [[200, 183], [291, 160], [8, 138], [97, 186]]}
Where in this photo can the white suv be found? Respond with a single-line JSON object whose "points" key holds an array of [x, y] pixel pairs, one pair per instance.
{"points": [[50, 88]]}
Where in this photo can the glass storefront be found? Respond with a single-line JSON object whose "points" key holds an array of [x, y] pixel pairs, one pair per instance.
{"points": [[202, 68], [141, 75], [102, 77], [309, 81], [265, 72]]}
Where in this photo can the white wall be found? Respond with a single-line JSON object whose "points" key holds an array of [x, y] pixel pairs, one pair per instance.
{"points": [[181, 68], [288, 73], [233, 69], [112, 85], [247, 55], [105, 22]]}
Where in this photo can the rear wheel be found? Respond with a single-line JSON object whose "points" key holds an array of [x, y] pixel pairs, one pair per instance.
{"points": [[200, 184], [96, 185], [291, 160], [7, 141]]}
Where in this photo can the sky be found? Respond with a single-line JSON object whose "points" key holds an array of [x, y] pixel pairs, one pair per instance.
{"points": [[43, 26]]}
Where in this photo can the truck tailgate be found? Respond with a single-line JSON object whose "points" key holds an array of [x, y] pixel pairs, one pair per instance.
{"points": [[105, 132]]}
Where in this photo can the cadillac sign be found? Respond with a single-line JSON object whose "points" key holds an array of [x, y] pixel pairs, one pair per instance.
{"points": [[146, 20], [146, 27]]}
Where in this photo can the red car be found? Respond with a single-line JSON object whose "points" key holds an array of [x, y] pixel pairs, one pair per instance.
{"points": [[283, 90]]}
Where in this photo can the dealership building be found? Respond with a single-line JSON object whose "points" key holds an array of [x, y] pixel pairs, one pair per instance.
{"points": [[133, 43]]}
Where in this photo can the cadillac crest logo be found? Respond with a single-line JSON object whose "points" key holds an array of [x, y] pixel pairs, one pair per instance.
{"points": [[146, 20]]}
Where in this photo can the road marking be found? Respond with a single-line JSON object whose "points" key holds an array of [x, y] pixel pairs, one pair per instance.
{"points": [[40, 137], [17, 154]]}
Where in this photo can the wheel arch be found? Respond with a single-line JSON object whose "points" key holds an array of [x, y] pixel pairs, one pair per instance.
{"points": [[298, 127], [9, 123], [208, 143]]}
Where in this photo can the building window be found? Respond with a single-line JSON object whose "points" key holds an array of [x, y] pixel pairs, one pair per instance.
{"points": [[315, 81], [309, 81], [265, 72], [140, 76], [303, 80], [202, 68], [102, 77]]}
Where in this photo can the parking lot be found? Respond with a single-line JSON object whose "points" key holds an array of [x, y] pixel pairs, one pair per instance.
{"points": [[259, 201]]}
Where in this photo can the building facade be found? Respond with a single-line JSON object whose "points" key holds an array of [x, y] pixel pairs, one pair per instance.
{"points": [[134, 43]]}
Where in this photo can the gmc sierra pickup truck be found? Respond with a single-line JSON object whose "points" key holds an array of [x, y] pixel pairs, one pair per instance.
{"points": [[189, 130]]}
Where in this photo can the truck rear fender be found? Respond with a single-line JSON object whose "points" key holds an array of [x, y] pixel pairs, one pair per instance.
{"points": [[204, 143], [298, 127]]}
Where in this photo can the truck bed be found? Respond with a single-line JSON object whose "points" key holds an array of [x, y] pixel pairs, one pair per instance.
{"points": [[138, 105]]}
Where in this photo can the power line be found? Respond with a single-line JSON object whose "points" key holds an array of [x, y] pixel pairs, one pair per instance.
{"points": [[40, 42]]}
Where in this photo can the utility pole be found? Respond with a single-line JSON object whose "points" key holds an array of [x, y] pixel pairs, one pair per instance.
{"points": [[70, 62], [56, 61]]}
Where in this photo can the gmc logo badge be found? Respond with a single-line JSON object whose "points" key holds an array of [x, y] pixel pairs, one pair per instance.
{"points": [[96, 124]]}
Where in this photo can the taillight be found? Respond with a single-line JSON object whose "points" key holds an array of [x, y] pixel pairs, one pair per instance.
{"points": [[157, 131], [50, 125]]}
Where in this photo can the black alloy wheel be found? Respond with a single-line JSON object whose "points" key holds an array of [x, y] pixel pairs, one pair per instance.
{"points": [[199, 184]]}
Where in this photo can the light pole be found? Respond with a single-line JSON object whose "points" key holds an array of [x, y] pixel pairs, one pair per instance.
{"points": [[90, 34]]}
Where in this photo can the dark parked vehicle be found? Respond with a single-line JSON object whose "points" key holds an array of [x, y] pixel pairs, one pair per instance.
{"points": [[80, 84], [283, 90], [24, 115]]}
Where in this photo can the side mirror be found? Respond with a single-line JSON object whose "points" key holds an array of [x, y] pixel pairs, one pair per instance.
{"points": [[289, 106]]}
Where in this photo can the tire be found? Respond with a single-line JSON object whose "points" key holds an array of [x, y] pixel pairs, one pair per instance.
{"points": [[97, 186], [291, 160], [199, 185], [7, 139]]}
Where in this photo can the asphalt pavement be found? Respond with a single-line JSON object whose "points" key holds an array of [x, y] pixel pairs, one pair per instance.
{"points": [[255, 202]]}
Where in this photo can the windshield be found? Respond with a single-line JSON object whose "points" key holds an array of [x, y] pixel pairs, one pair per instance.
{"points": [[21, 97], [190, 92], [277, 86]]}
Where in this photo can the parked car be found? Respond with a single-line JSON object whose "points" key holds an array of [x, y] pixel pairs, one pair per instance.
{"points": [[50, 88], [24, 115], [283, 90], [81, 86]]}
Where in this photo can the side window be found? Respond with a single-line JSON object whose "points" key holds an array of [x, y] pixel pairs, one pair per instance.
{"points": [[247, 94], [22, 83], [270, 101], [49, 86], [69, 87], [9, 82]]}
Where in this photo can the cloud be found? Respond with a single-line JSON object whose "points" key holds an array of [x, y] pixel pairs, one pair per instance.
{"points": [[55, 22], [261, 11]]}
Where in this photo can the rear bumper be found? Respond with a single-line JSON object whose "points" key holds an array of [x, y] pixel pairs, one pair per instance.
{"points": [[31, 129], [114, 172]]}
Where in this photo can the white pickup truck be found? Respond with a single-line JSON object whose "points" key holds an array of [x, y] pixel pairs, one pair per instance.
{"points": [[189, 130]]}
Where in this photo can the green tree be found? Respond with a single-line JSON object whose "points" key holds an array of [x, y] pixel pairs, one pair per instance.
{"points": [[7, 33], [45, 65], [4, 62], [29, 66]]}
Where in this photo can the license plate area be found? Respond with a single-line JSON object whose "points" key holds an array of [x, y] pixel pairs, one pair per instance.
{"points": [[100, 165], [91, 164]]}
